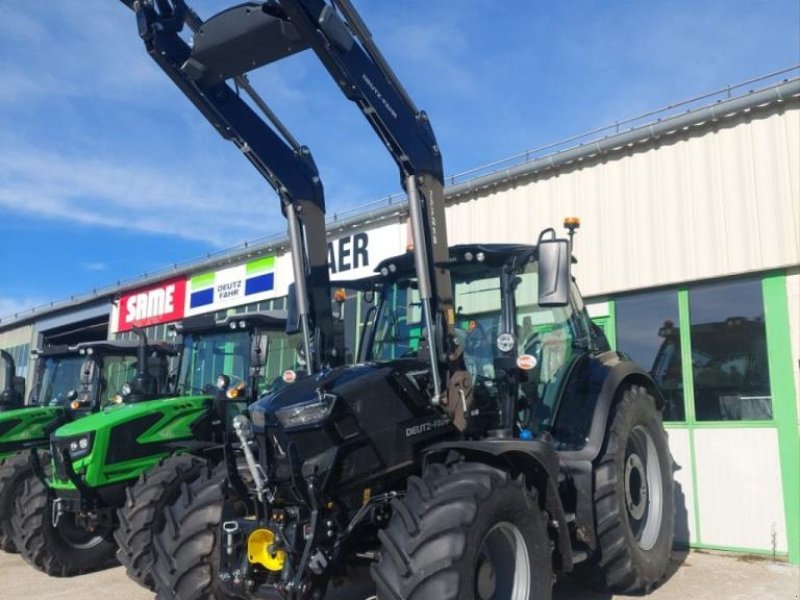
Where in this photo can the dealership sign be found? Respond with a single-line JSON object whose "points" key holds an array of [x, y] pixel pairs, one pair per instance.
{"points": [[356, 255], [217, 290], [161, 303], [349, 257]]}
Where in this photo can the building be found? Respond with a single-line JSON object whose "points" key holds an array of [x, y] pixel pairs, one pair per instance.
{"points": [[689, 255]]}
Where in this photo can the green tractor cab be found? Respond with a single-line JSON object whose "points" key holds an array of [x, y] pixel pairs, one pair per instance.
{"points": [[67, 521], [70, 382]]}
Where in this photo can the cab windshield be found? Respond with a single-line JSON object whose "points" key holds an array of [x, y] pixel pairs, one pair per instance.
{"points": [[117, 370], [548, 334], [61, 375], [206, 356]]}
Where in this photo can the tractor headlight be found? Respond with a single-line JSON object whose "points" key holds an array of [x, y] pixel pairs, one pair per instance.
{"points": [[506, 342], [307, 413], [78, 446]]}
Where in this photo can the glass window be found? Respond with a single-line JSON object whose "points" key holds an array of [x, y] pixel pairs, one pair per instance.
{"points": [[647, 331], [61, 375], [281, 354], [399, 327], [20, 355], [206, 356], [547, 333], [729, 352], [117, 370]]}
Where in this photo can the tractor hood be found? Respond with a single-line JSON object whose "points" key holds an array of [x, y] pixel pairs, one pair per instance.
{"points": [[360, 421], [115, 414], [30, 412], [122, 441], [27, 426], [351, 381]]}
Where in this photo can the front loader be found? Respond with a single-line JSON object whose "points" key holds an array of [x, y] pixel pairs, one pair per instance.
{"points": [[488, 438], [112, 471]]}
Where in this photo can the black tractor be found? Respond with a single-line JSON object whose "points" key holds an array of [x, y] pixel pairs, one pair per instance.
{"points": [[487, 439]]}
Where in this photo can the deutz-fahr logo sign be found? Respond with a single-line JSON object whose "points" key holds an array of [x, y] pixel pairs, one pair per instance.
{"points": [[157, 304]]}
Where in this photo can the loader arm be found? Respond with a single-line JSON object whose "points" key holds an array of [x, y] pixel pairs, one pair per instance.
{"points": [[212, 75], [340, 39]]}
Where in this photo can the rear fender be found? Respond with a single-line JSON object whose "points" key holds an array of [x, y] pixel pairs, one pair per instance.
{"points": [[611, 372]]}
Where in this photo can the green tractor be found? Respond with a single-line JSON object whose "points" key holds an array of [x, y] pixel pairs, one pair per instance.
{"points": [[112, 472], [69, 383]]}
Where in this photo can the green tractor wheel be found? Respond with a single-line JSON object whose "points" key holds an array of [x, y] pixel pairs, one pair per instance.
{"points": [[142, 516], [13, 471], [59, 551]]}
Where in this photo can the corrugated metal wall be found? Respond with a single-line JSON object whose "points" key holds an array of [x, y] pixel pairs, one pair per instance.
{"points": [[688, 206], [16, 337]]}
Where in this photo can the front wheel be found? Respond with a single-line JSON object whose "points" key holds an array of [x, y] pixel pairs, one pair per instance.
{"points": [[142, 516], [465, 532], [634, 505], [13, 471], [60, 551], [186, 550]]}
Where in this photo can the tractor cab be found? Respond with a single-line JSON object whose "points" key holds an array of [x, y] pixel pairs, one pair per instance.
{"points": [[90, 375], [238, 358], [113, 372], [510, 342]]}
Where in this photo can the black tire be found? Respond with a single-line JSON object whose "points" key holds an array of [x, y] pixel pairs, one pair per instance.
{"points": [[633, 499], [142, 515], [61, 551], [186, 563], [433, 547], [13, 471]]}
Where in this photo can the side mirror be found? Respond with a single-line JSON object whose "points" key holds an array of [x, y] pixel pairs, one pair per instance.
{"points": [[259, 351], [292, 316], [87, 372], [554, 270]]}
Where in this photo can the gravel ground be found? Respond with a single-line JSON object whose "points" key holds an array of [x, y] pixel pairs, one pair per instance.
{"points": [[698, 576]]}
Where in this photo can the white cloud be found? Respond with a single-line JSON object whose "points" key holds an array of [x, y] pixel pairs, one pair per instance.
{"points": [[134, 196], [10, 306], [94, 266]]}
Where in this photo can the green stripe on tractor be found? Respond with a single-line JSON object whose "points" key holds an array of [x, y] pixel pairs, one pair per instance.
{"points": [[203, 281], [261, 265]]}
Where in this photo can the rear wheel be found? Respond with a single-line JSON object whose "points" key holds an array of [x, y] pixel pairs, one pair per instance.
{"points": [[142, 516], [13, 471], [633, 497], [186, 563], [60, 551], [465, 532]]}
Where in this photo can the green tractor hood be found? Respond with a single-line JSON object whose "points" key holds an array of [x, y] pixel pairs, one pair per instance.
{"points": [[28, 426], [142, 434]]}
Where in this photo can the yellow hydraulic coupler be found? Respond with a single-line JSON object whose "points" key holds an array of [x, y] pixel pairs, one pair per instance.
{"points": [[261, 550]]}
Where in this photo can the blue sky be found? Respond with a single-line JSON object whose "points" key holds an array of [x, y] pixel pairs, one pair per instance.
{"points": [[107, 172]]}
